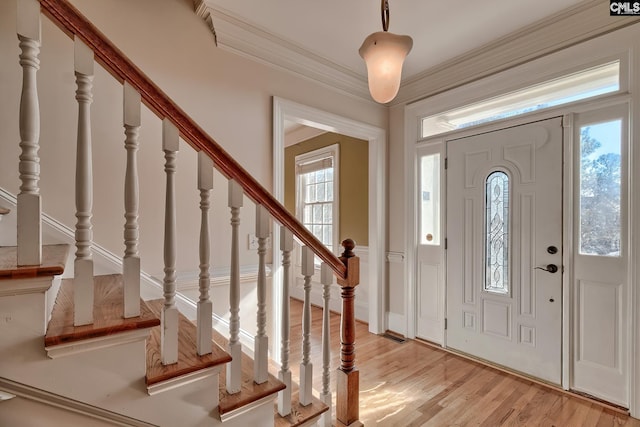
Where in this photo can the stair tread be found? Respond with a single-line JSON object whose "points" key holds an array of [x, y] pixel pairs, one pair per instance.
{"points": [[108, 311], [300, 414], [54, 258], [188, 360], [250, 391]]}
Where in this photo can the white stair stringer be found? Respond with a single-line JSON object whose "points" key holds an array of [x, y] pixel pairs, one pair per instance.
{"points": [[32, 406], [110, 378]]}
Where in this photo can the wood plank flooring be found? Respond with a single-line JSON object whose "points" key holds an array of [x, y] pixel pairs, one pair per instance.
{"points": [[414, 384]]}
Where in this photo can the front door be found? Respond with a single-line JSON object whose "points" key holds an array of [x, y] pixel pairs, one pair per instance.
{"points": [[504, 247]]}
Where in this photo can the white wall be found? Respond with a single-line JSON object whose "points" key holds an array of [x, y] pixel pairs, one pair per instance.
{"points": [[229, 96]]}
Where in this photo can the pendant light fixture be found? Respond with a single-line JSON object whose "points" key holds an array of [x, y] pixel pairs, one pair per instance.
{"points": [[384, 54]]}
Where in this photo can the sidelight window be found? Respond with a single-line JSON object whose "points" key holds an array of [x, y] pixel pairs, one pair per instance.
{"points": [[600, 188], [497, 233]]}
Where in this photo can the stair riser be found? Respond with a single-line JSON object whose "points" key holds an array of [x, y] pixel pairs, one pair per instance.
{"points": [[23, 317]]}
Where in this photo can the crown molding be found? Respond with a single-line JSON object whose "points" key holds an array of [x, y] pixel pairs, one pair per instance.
{"points": [[574, 25], [248, 40]]}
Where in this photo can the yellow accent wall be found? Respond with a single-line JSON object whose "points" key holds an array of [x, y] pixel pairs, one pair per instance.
{"points": [[353, 186]]}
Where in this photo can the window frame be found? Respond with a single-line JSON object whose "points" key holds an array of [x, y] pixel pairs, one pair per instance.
{"points": [[592, 117], [333, 152]]}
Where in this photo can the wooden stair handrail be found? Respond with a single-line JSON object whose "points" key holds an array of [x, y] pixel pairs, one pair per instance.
{"points": [[73, 23]]}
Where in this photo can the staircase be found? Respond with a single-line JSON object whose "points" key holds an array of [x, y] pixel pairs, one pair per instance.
{"points": [[87, 345]]}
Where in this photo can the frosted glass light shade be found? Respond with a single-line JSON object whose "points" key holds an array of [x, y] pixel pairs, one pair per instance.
{"points": [[384, 54]]}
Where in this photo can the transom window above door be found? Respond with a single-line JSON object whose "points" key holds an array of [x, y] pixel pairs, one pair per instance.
{"points": [[584, 84]]}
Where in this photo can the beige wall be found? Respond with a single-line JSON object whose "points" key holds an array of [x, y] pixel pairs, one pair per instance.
{"points": [[353, 186], [397, 212], [229, 96]]}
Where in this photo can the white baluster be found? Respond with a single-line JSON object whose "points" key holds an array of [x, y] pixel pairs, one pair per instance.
{"points": [[169, 335], [131, 261], [326, 278], [29, 204], [205, 306], [306, 367], [261, 342], [284, 397], [234, 368], [83, 266]]}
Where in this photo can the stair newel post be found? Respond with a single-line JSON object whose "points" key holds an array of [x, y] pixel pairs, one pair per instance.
{"points": [[234, 368], [131, 261], [348, 376], [169, 318], [83, 266], [261, 342], [29, 203], [284, 397], [326, 278], [306, 367], [205, 306]]}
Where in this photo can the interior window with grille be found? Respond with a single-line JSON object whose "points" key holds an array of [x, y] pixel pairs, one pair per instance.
{"points": [[316, 174]]}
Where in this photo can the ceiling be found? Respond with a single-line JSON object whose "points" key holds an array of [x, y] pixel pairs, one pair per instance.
{"points": [[331, 31]]}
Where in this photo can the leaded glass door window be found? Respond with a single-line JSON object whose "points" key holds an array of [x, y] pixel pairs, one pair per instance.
{"points": [[497, 233]]}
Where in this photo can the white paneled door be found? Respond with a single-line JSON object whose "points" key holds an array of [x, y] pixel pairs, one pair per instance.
{"points": [[504, 256]]}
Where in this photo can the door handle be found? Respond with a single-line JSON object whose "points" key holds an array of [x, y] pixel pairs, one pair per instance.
{"points": [[551, 268]]}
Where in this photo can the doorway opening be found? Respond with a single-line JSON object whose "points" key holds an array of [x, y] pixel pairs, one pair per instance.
{"points": [[285, 111]]}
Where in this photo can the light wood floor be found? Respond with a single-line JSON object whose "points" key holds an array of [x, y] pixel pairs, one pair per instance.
{"points": [[413, 384]]}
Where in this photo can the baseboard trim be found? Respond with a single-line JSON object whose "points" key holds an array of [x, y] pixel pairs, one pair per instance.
{"points": [[55, 400], [220, 276]]}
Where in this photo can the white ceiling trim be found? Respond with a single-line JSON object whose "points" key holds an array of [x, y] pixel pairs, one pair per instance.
{"points": [[576, 24], [248, 40], [579, 23]]}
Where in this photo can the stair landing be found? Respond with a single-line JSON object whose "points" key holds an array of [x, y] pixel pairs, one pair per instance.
{"points": [[108, 317]]}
